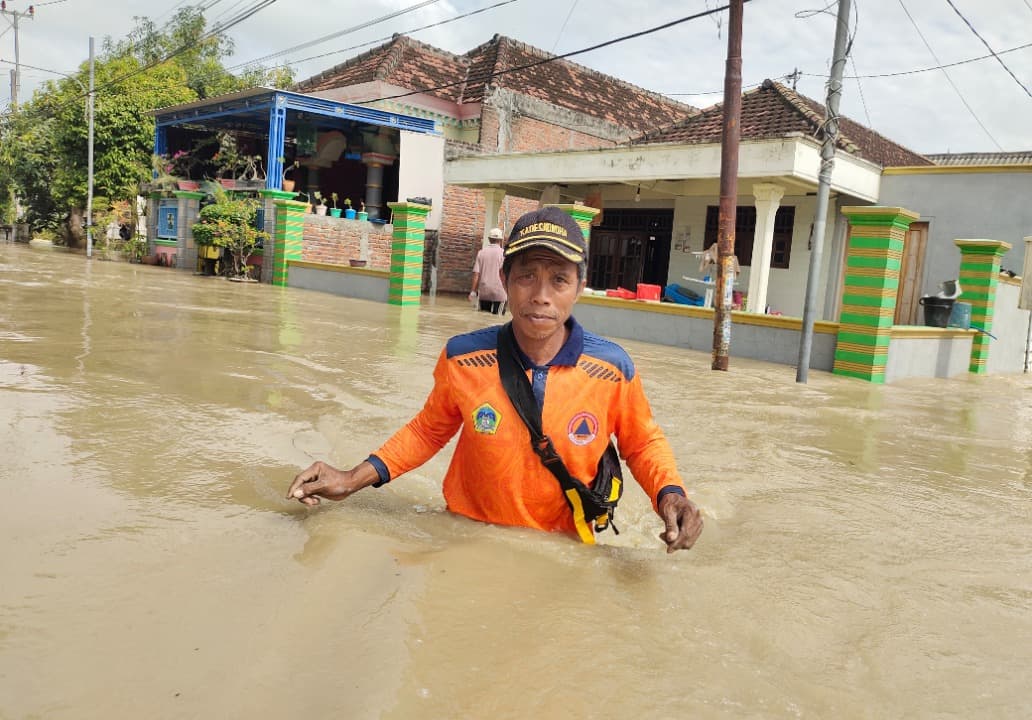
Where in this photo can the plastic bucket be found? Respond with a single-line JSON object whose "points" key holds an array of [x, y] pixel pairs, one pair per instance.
{"points": [[936, 310], [960, 315]]}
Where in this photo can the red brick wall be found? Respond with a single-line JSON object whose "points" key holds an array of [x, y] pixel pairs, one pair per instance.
{"points": [[336, 240], [462, 220]]}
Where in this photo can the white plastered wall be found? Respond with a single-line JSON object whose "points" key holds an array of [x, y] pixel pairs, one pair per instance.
{"points": [[421, 171], [787, 287]]}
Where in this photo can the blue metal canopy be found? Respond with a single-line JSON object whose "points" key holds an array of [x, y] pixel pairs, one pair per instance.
{"points": [[267, 110]]}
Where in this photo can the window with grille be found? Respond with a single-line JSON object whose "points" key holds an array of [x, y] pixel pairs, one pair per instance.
{"points": [[745, 230]]}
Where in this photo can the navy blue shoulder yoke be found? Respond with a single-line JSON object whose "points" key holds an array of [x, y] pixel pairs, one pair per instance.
{"points": [[476, 341], [608, 351]]}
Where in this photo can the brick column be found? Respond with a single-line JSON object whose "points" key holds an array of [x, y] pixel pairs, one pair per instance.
{"points": [[979, 276], [407, 252], [581, 213], [269, 214], [286, 243], [873, 258], [152, 222], [187, 215]]}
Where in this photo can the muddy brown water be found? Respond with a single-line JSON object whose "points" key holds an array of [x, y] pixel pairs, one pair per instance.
{"points": [[866, 553]]}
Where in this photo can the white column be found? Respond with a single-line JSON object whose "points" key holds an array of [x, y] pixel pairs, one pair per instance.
{"points": [[492, 207], [768, 200]]}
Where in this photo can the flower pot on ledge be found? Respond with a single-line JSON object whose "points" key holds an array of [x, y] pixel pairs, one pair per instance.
{"points": [[363, 215], [349, 213], [335, 212]]}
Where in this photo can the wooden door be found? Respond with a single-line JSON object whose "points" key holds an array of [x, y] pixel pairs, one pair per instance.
{"points": [[910, 273]]}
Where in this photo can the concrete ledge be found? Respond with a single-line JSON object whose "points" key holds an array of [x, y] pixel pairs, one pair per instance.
{"points": [[927, 352], [769, 338], [361, 283]]}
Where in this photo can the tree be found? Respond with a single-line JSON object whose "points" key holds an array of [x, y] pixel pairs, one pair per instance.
{"points": [[43, 147]]}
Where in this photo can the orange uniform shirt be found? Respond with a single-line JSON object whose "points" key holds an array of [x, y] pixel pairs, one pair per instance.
{"points": [[589, 392]]}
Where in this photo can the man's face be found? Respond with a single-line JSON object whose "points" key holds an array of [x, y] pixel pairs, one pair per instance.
{"points": [[542, 288]]}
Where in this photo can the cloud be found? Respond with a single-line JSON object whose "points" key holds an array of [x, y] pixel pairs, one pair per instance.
{"points": [[920, 111]]}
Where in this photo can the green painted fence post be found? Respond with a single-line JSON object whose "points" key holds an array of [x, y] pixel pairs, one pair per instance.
{"points": [[406, 274], [290, 224], [869, 291], [979, 276], [582, 214]]}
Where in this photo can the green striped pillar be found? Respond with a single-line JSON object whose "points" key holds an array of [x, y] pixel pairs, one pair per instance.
{"points": [[582, 214], [979, 276], [871, 282], [290, 223], [406, 276]]}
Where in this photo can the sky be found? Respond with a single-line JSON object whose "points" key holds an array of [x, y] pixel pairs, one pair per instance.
{"points": [[973, 107]]}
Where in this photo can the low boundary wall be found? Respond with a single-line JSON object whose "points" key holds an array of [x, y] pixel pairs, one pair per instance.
{"points": [[361, 283], [771, 338]]}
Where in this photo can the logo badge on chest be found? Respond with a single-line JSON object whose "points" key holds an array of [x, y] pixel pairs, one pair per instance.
{"points": [[486, 419], [583, 428]]}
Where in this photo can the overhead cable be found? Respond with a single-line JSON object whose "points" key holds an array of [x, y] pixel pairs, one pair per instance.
{"points": [[960, 95], [485, 77], [989, 48]]}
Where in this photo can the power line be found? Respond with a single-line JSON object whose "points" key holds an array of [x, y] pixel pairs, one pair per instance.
{"points": [[989, 48], [948, 78], [383, 39], [217, 30], [346, 31], [852, 59], [491, 75], [573, 6], [901, 73]]}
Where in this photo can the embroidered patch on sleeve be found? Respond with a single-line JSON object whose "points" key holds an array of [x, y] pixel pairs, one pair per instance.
{"points": [[582, 428], [486, 419]]}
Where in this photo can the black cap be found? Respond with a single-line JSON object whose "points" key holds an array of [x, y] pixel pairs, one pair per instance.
{"points": [[549, 228]]}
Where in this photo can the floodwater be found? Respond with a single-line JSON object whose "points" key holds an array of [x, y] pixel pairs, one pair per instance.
{"points": [[866, 552]]}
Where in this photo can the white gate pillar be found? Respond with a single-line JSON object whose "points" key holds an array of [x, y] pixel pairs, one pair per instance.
{"points": [[768, 200]]}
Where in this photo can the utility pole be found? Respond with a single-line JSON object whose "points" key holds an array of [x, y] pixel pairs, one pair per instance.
{"points": [[838, 64], [728, 188], [89, 164], [16, 74]]}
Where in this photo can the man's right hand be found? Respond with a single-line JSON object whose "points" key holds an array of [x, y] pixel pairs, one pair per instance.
{"points": [[320, 480]]}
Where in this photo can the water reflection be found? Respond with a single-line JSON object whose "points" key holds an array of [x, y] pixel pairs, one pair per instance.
{"points": [[866, 546]]}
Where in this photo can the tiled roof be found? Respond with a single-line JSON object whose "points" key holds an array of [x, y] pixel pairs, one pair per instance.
{"points": [[1000, 158], [567, 84], [409, 63], [401, 61], [773, 111]]}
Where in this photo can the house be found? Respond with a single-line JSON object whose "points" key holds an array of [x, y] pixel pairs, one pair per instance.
{"points": [[963, 195], [501, 97], [659, 192]]}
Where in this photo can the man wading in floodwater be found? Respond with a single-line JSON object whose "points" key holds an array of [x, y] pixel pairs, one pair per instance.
{"points": [[540, 371]]}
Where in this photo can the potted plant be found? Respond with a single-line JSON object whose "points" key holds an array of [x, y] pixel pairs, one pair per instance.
{"points": [[362, 214], [288, 184], [227, 160], [162, 179], [334, 211], [320, 209], [349, 212], [230, 223]]}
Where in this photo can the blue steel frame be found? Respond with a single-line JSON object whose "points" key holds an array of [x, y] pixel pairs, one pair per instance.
{"points": [[277, 103]]}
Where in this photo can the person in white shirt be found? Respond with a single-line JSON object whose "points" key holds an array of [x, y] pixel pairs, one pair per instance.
{"points": [[487, 278]]}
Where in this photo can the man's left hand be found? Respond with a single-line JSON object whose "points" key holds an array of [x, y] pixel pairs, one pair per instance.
{"points": [[683, 522]]}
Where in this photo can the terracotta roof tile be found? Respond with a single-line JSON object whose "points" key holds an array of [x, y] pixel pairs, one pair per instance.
{"points": [[566, 84], [401, 61], [774, 110], [409, 63]]}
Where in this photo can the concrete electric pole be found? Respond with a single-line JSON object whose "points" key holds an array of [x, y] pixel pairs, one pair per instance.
{"points": [[15, 16], [838, 64]]}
